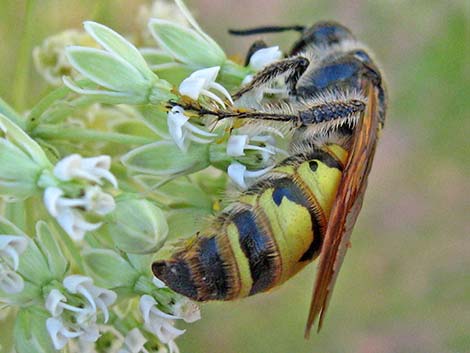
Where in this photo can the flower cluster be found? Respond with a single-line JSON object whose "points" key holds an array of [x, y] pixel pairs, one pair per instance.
{"points": [[132, 147], [68, 211], [79, 320], [161, 324]]}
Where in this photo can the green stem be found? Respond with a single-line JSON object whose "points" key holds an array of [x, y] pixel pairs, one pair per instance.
{"points": [[34, 116], [23, 58], [80, 134], [12, 115]]}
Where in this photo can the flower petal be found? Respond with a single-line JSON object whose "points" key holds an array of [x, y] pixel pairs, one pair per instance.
{"points": [[52, 195], [192, 87], [10, 281], [264, 57], [236, 145], [12, 246], [53, 301], [187, 310], [236, 172]]}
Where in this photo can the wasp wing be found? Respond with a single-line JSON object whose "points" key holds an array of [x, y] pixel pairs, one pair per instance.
{"points": [[345, 210]]}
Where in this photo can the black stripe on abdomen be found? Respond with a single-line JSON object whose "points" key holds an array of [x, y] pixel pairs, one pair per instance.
{"points": [[213, 273], [260, 250], [176, 273], [290, 190]]}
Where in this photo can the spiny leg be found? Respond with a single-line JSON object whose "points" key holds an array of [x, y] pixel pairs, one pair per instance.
{"points": [[331, 111], [293, 68], [334, 111]]}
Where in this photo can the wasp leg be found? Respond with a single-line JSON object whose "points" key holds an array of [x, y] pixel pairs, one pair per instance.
{"points": [[335, 112], [254, 47], [293, 68]]}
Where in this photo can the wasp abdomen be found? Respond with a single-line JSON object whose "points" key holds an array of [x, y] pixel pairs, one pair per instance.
{"points": [[273, 231]]}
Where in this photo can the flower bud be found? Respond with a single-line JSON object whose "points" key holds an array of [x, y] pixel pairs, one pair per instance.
{"points": [[49, 57], [137, 226], [21, 162]]}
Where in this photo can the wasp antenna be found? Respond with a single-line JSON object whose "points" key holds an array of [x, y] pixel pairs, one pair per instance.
{"points": [[266, 29]]}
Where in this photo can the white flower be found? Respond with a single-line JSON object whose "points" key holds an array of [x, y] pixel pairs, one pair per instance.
{"points": [[59, 333], [66, 210], [187, 310], [238, 173], [173, 347], [264, 57], [158, 322], [10, 281], [183, 132], [237, 144], [199, 83], [55, 303], [97, 297], [81, 320], [134, 342], [11, 247], [93, 169], [97, 201]]}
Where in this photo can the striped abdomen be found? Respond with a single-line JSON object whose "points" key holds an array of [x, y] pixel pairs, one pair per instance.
{"points": [[272, 231]]}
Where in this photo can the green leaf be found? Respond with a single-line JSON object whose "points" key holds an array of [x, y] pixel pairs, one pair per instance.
{"points": [[20, 139], [47, 242], [18, 172], [181, 192], [7, 227], [109, 269], [141, 263], [118, 45], [186, 44], [165, 158], [106, 69], [156, 56], [30, 331], [33, 265], [155, 119], [29, 293]]}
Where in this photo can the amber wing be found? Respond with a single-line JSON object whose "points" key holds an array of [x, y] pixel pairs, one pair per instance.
{"points": [[345, 210]]}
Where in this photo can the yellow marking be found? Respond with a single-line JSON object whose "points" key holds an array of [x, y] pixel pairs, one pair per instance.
{"points": [[241, 260], [249, 199], [338, 153], [323, 183], [285, 169], [216, 206], [292, 230]]}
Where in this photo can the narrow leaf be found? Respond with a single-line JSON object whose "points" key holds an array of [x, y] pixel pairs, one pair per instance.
{"points": [[165, 158], [186, 44], [118, 45], [106, 69]]}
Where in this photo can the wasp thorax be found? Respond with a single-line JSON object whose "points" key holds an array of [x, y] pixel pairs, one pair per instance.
{"points": [[322, 34]]}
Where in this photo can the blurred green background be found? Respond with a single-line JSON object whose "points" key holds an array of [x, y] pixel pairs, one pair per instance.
{"points": [[405, 284]]}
